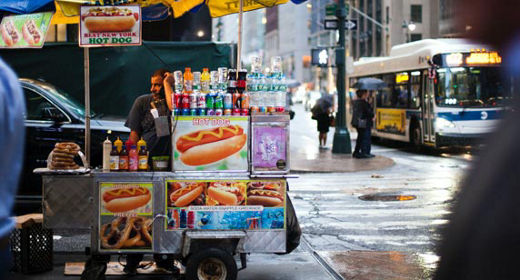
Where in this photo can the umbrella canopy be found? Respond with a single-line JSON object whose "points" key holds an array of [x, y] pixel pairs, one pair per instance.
{"points": [[369, 84], [325, 101]]}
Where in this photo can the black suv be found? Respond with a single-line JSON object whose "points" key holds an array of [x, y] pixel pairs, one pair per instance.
{"points": [[54, 116]]}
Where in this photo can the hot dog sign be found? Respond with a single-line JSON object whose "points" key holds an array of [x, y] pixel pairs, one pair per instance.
{"points": [[24, 31], [211, 144], [110, 25]]}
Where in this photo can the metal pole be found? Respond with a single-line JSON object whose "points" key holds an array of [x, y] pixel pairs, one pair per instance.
{"points": [[239, 54], [86, 67], [341, 143]]}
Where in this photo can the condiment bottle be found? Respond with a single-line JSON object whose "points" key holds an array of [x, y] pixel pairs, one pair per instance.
{"points": [[107, 148], [119, 144], [143, 159], [123, 159], [114, 159], [140, 144], [133, 159]]}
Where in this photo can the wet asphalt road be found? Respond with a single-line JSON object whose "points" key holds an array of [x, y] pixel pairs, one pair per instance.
{"points": [[334, 218]]}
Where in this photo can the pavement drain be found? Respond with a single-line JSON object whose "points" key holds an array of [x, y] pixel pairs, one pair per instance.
{"points": [[387, 197]]}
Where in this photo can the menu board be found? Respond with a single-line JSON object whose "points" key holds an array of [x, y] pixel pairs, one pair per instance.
{"points": [[24, 31], [110, 25], [126, 216], [211, 143], [225, 204]]}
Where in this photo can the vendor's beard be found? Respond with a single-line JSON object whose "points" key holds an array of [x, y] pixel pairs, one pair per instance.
{"points": [[160, 95]]}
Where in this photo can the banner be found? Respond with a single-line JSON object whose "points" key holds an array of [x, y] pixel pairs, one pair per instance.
{"points": [[24, 31], [211, 144], [269, 148], [126, 216], [110, 26], [225, 204], [391, 121]]}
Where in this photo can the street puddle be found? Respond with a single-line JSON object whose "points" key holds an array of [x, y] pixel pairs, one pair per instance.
{"points": [[387, 197]]}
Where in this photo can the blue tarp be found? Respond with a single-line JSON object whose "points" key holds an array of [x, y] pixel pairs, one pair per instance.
{"points": [[26, 6], [150, 13]]}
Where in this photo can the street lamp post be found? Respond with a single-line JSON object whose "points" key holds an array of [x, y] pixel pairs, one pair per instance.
{"points": [[341, 143]]}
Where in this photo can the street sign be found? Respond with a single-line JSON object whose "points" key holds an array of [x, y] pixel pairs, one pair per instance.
{"points": [[320, 57], [330, 24], [330, 9]]}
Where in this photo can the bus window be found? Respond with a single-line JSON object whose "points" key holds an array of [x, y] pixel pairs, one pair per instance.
{"points": [[400, 93], [384, 96], [415, 90]]}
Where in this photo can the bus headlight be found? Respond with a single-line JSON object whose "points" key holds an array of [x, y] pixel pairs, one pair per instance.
{"points": [[441, 123]]}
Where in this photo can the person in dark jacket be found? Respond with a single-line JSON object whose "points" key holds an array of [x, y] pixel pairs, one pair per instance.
{"points": [[362, 120]]}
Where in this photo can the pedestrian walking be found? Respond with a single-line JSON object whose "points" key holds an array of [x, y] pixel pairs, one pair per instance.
{"points": [[362, 120], [12, 139], [321, 112]]}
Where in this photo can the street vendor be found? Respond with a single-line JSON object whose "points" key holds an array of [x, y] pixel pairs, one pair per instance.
{"points": [[141, 119]]}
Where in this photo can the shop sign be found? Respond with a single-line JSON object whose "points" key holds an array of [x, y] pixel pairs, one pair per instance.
{"points": [[225, 204], [211, 144], [24, 31], [110, 26], [125, 216]]}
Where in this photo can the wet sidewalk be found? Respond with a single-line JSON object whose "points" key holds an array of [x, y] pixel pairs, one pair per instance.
{"points": [[306, 156]]}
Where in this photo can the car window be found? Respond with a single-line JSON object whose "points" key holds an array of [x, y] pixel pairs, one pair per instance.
{"points": [[38, 107]]}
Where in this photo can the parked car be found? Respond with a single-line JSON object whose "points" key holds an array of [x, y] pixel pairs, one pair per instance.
{"points": [[310, 99], [54, 116]]}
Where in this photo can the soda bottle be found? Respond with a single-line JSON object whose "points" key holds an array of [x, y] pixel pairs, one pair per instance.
{"points": [[123, 160], [114, 159], [143, 159], [185, 101], [210, 100], [241, 80], [188, 80], [201, 100], [232, 80], [196, 81], [177, 100], [133, 159], [237, 100], [205, 79]]}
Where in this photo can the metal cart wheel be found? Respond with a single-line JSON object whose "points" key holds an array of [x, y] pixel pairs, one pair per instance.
{"points": [[211, 264]]}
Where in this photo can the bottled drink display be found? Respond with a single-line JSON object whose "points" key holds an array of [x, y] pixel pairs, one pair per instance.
{"points": [[231, 92]]}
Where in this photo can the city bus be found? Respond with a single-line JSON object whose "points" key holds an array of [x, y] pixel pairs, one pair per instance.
{"points": [[439, 92]]}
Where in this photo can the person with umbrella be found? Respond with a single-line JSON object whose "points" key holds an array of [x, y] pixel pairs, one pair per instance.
{"points": [[363, 115], [321, 113]]}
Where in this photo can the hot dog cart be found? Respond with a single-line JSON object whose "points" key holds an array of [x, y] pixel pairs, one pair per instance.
{"points": [[181, 213]]}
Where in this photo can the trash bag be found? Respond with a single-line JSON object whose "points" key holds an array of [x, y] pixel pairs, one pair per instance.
{"points": [[95, 268]]}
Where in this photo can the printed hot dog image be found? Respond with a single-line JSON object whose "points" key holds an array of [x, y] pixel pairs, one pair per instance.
{"points": [[31, 34], [181, 194], [10, 35], [268, 194], [226, 193], [126, 233], [210, 145], [109, 19], [126, 198]]}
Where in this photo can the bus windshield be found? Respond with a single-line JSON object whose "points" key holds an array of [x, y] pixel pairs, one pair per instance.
{"points": [[470, 87]]}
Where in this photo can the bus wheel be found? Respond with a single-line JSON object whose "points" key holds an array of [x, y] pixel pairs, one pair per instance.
{"points": [[415, 135], [211, 263]]}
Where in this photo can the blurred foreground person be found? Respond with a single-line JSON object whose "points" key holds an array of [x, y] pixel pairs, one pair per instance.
{"points": [[482, 240], [12, 138]]}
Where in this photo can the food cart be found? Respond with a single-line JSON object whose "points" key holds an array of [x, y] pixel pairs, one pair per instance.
{"points": [[200, 214]]}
